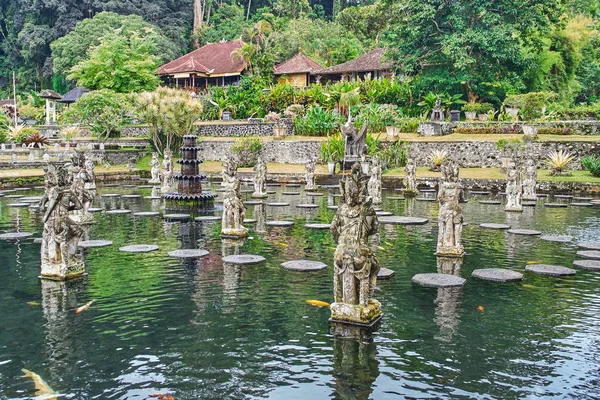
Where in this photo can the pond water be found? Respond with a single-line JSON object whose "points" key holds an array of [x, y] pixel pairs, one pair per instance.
{"points": [[202, 330]]}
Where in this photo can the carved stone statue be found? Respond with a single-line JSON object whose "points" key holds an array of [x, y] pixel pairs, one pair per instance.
{"points": [[514, 188], [411, 178], [234, 209], [229, 172], [437, 114], [260, 179], [530, 180], [84, 183], [155, 171], [375, 181], [310, 176], [167, 172], [450, 217], [356, 144], [355, 264]]}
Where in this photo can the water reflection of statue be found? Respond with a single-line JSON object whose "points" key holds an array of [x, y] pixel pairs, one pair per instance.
{"points": [[355, 365], [167, 172], [260, 179], [260, 215], [450, 217], [155, 171], [447, 302], [356, 266], [310, 175], [514, 188], [411, 178], [356, 144], [234, 209], [375, 181], [530, 180]]}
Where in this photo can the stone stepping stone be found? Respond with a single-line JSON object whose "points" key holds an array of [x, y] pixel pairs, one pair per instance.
{"points": [[582, 199], [307, 205], [430, 199], [146, 187], [253, 202], [247, 191], [188, 253], [110, 195], [131, 196], [244, 259], [332, 207], [110, 185], [271, 192], [30, 199], [220, 190], [204, 218], [152, 197], [396, 198], [590, 254], [276, 204], [582, 204], [557, 238], [93, 244], [497, 275], [14, 196], [495, 226], [290, 193], [589, 245], [273, 184], [15, 235], [146, 214], [313, 194], [588, 264], [550, 270], [337, 195], [491, 202], [38, 240], [385, 273], [383, 213], [177, 217], [128, 186], [595, 202], [292, 185], [438, 280], [118, 212], [525, 232], [280, 223], [556, 205], [303, 265], [18, 205], [480, 192], [542, 195], [402, 220], [427, 190], [317, 226], [529, 204], [250, 221], [563, 196], [139, 248], [95, 210]]}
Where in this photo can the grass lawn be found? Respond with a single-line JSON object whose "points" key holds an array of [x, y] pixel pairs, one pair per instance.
{"points": [[33, 172]]}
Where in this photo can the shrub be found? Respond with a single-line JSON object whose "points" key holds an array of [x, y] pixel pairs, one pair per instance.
{"points": [[372, 143], [472, 107], [374, 115], [437, 158], [248, 149], [70, 132], [409, 125], [32, 112], [484, 108], [332, 149], [37, 141], [394, 155], [20, 133], [534, 104], [578, 112], [558, 161], [293, 111], [514, 100], [317, 122], [273, 117], [489, 130], [555, 131], [592, 164]]}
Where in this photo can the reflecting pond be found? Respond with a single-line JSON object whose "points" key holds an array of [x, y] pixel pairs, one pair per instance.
{"points": [[203, 330]]}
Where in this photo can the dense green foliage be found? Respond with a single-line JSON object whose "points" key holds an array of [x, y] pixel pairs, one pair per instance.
{"points": [[247, 149], [592, 164]]}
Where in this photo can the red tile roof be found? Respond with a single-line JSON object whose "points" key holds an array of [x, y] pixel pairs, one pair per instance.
{"points": [[296, 65], [370, 61], [211, 59]]}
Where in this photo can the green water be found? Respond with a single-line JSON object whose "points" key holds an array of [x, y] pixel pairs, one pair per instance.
{"points": [[202, 330]]}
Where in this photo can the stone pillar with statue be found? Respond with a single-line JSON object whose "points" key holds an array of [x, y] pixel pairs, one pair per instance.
{"points": [[234, 209], [410, 189], [310, 176], [260, 179], [530, 181], [514, 188], [375, 184], [155, 170], [450, 217]]}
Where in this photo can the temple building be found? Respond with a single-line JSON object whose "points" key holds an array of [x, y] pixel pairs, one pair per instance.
{"points": [[368, 66], [299, 71]]}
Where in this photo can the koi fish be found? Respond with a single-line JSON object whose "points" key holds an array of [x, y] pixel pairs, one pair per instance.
{"points": [[41, 387], [529, 286], [161, 396], [480, 308], [388, 243], [318, 303], [33, 303], [283, 244], [83, 308], [380, 248], [532, 262]]}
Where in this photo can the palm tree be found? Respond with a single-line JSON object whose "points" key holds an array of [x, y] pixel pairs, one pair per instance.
{"points": [[262, 30], [246, 54]]}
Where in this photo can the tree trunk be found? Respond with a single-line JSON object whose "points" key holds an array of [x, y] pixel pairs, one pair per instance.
{"points": [[199, 6], [471, 95], [248, 13]]}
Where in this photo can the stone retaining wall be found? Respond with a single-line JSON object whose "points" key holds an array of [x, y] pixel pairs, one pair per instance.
{"points": [[280, 151], [584, 127]]}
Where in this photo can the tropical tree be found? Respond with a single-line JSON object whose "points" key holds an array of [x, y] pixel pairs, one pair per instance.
{"points": [[246, 54]]}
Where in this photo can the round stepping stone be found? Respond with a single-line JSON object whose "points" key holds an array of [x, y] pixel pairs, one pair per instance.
{"points": [[383, 213], [146, 187], [595, 201], [317, 226], [271, 192], [550, 270], [529, 204], [430, 199], [188, 253], [438, 280], [582, 204], [131, 196], [491, 202], [292, 185], [588, 264], [556, 205], [30, 199], [562, 196], [14, 196], [307, 206], [250, 221], [281, 204], [128, 186], [332, 207], [203, 218], [290, 193], [220, 190], [313, 194], [427, 190], [139, 248], [542, 195], [244, 259], [147, 214], [247, 191], [526, 232], [582, 199], [18, 205], [92, 244], [95, 210], [480, 192], [589, 245], [280, 223], [118, 212], [273, 184], [557, 238], [177, 217], [111, 185], [401, 220], [385, 273], [15, 235], [590, 254], [494, 226], [152, 197], [337, 195], [396, 198], [38, 240], [497, 275], [303, 265], [253, 202], [110, 195]]}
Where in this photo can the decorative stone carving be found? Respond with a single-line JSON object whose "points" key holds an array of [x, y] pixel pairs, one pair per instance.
{"points": [[450, 217], [84, 184], [229, 173], [411, 178], [355, 141], [234, 210], [356, 266], [514, 188], [437, 114], [375, 181], [530, 180], [155, 171], [167, 172], [310, 175], [260, 179]]}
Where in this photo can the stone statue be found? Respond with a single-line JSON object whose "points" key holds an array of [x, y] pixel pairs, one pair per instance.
{"points": [[310, 176], [60, 257], [229, 173], [450, 217], [356, 144], [411, 178], [234, 212], [84, 183], [167, 172], [437, 114], [514, 188], [155, 171], [260, 179], [355, 264], [375, 181], [530, 181]]}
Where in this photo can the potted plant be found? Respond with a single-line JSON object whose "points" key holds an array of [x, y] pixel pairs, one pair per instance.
{"points": [[37, 142], [278, 125], [331, 150], [512, 103], [530, 130], [484, 109], [437, 158], [471, 110], [390, 118], [558, 161]]}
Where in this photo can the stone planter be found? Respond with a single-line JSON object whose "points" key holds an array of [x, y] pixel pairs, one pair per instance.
{"points": [[530, 130], [226, 116], [38, 152], [279, 131], [512, 111], [392, 131], [470, 115], [483, 117], [331, 167]]}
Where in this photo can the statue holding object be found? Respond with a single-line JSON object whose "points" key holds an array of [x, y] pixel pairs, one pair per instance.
{"points": [[355, 140], [167, 172], [375, 181], [514, 188], [260, 179], [155, 171], [234, 209], [450, 217], [437, 114], [410, 168], [310, 176], [530, 181]]}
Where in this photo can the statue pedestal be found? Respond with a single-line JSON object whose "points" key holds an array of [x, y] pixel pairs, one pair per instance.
{"points": [[56, 271], [355, 314], [410, 193], [450, 252], [234, 233], [310, 188], [514, 209], [259, 195]]}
